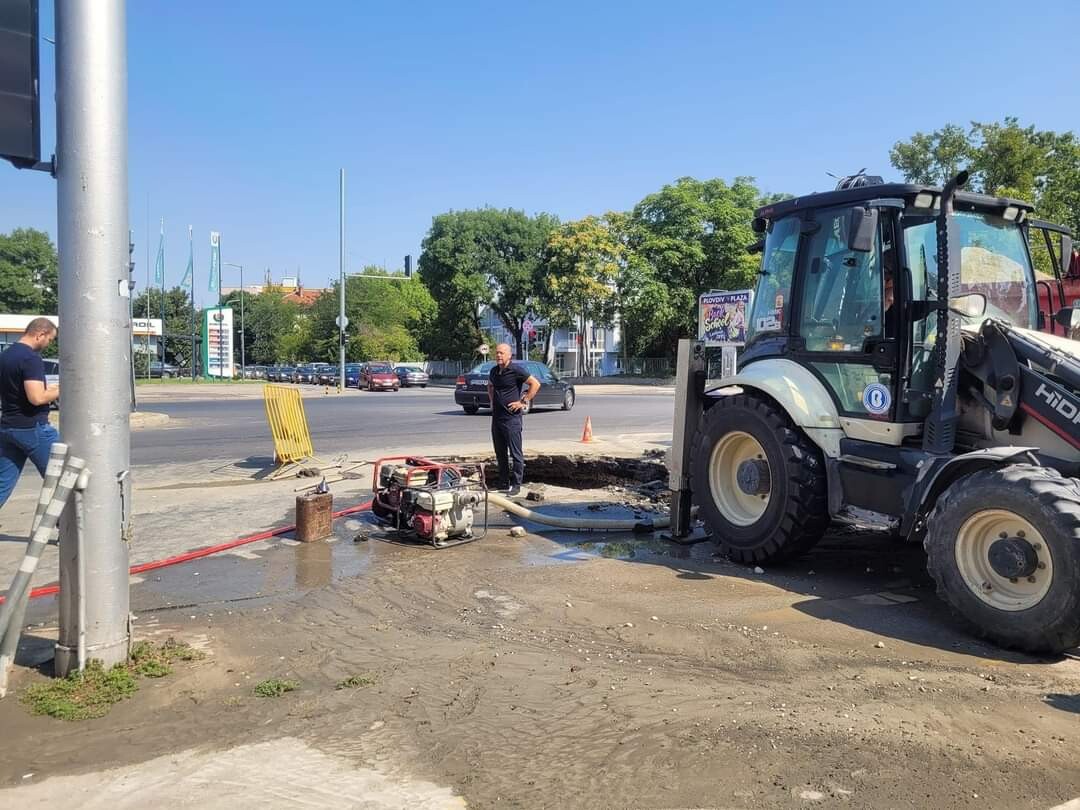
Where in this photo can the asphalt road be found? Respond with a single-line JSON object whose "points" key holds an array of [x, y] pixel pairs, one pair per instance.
{"points": [[236, 428]]}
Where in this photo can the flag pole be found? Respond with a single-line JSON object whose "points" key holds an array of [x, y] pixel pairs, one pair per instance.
{"points": [[146, 334], [191, 267], [163, 297]]}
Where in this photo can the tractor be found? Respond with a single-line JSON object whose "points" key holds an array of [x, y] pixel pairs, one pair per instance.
{"points": [[894, 378]]}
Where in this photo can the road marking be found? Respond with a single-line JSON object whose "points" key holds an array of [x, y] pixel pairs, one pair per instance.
{"points": [[287, 542]]}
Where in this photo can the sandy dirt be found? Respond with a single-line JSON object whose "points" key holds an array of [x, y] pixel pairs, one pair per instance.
{"points": [[588, 671]]}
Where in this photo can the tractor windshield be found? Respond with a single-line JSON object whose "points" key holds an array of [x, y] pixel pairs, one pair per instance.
{"points": [[994, 261]]}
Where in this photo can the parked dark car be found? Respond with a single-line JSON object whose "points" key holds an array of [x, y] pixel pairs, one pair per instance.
{"points": [[284, 374], [163, 370], [352, 375], [326, 375], [471, 389], [255, 373], [273, 374], [305, 374], [412, 375], [378, 376]]}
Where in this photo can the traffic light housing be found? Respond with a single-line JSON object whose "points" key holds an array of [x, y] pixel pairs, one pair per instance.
{"points": [[408, 266], [20, 99]]}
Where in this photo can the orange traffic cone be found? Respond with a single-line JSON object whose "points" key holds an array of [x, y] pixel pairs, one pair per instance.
{"points": [[586, 435]]}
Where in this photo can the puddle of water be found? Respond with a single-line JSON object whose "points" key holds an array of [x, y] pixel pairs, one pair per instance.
{"points": [[267, 569]]}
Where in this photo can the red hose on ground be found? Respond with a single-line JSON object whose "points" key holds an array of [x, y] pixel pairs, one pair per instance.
{"points": [[153, 565]]}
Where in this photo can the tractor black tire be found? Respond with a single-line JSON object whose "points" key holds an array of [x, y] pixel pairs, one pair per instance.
{"points": [[1050, 503], [471, 410], [797, 513]]}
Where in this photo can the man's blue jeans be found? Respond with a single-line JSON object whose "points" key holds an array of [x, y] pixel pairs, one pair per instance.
{"points": [[16, 446]]}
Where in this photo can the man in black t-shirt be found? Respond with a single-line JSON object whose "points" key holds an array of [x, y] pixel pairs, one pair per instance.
{"points": [[25, 432], [508, 404]]}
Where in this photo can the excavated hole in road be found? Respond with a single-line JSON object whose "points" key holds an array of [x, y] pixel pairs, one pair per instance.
{"points": [[580, 471]]}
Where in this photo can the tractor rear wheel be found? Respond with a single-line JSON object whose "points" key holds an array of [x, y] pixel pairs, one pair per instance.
{"points": [[759, 481], [1003, 546]]}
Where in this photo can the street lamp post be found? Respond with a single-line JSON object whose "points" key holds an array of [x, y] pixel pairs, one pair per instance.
{"points": [[243, 364]]}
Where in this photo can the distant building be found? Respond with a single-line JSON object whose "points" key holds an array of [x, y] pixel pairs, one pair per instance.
{"points": [[290, 288], [145, 332], [561, 351]]}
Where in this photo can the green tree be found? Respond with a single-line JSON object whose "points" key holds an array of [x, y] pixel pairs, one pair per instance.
{"points": [[177, 325], [28, 272], [582, 263], [1005, 158], [688, 238], [270, 323], [486, 257], [388, 319], [932, 159]]}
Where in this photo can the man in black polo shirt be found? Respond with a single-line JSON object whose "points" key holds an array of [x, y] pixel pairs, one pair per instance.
{"points": [[508, 404], [25, 432]]}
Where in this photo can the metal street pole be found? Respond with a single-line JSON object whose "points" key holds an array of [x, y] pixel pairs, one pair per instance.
{"points": [[341, 281], [243, 363], [148, 286], [92, 212]]}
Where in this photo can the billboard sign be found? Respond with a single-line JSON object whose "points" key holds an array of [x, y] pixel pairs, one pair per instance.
{"points": [[722, 317], [217, 354]]}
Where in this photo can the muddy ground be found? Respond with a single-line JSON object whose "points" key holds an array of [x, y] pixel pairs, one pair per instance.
{"points": [[562, 671]]}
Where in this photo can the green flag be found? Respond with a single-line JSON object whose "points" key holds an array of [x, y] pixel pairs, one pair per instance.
{"points": [[189, 274], [215, 262], [159, 265]]}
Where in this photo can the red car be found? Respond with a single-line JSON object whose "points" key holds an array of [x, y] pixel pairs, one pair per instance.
{"points": [[378, 376]]}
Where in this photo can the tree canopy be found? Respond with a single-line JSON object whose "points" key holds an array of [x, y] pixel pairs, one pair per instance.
{"points": [[1005, 158], [28, 272]]}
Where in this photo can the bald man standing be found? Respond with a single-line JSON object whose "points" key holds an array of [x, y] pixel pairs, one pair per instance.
{"points": [[508, 404]]}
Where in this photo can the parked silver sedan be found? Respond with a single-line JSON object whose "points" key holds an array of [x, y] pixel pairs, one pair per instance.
{"points": [[412, 375]]}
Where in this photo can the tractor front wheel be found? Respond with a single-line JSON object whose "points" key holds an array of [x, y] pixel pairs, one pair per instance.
{"points": [[1003, 546], [759, 481]]}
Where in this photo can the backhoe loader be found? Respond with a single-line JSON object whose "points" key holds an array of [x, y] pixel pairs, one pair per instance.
{"points": [[894, 378]]}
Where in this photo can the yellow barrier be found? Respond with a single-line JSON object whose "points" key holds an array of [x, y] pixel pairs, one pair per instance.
{"points": [[288, 424]]}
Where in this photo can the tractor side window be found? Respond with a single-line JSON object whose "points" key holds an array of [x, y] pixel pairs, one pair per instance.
{"points": [[842, 295], [774, 281]]}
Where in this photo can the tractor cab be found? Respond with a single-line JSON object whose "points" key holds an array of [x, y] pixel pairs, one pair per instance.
{"points": [[849, 285]]}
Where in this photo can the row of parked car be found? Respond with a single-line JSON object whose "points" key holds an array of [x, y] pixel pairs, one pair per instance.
{"points": [[375, 376]]}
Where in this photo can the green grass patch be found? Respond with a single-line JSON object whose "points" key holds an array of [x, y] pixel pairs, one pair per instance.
{"points": [[91, 693], [155, 660], [275, 687], [82, 695], [357, 682]]}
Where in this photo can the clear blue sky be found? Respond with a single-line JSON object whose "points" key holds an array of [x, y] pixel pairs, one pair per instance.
{"points": [[242, 112]]}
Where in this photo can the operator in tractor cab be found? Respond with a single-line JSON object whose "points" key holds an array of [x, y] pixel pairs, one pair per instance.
{"points": [[508, 405]]}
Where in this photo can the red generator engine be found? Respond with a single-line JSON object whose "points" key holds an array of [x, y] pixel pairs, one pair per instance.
{"points": [[429, 501]]}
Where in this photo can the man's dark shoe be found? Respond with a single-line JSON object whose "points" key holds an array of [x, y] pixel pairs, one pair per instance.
{"points": [[514, 491]]}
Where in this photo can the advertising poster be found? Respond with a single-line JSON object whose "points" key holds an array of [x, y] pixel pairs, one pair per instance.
{"points": [[218, 346], [722, 317]]}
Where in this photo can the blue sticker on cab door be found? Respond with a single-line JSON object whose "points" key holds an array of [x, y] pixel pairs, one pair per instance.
{"points": [[877, 399]]}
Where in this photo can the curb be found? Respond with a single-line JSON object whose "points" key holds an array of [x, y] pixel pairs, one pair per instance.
{"points": [[137, 420]]}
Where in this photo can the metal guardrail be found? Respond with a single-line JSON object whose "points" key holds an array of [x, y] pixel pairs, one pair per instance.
{"points": [[288, 425]]}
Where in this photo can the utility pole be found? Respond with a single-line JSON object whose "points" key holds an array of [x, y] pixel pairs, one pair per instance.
{"points": [[243, 363], [92, 218], [342, 320]]}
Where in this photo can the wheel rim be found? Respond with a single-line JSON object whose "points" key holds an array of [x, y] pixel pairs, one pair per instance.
{"points": [[568, 400], [973, 542], [739, 507]]}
